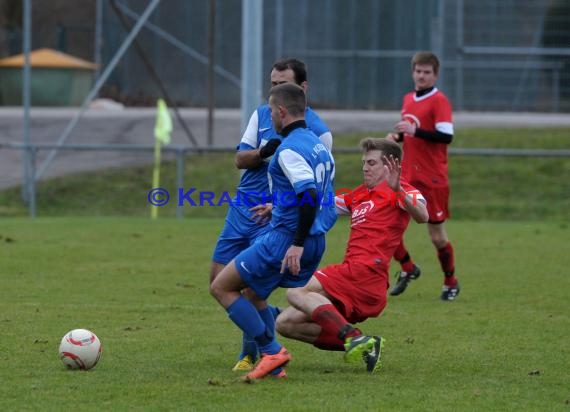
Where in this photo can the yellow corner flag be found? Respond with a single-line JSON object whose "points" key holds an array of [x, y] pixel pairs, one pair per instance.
{"points": [[163, 125], [162, 130]]}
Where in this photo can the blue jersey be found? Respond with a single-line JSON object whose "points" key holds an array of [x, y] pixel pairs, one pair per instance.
{"points": [[300, 163], [240, 230], [259, 131]]}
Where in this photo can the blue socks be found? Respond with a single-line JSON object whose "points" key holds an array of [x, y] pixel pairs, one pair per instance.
{"points": [[248, 347], [246, 317], [258, 327], [252, 323], [273, 346]]}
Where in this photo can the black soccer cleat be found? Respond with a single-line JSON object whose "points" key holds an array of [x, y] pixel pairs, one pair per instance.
{"points": [[403, 280], [372, 358], [449, 293]]}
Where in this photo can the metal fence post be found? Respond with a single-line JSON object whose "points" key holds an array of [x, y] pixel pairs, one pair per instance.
{"points": [[251, 58], [31, 152], [459, 59], [26, 90]]}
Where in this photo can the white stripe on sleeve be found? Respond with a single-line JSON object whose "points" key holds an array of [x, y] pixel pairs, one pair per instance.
{"points": [[327, 140], [444, 127], [295, 167], [340, 206], [416, 196], [250, 135]]}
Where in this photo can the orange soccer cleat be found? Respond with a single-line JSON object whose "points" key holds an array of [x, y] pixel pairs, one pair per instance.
{"points": [[268, 363]]}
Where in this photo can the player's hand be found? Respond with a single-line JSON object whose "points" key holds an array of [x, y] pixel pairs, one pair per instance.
{"points": [[292, 260], [269, 149], [261, 214], [393, 170], [393, 137], [405, 127]]}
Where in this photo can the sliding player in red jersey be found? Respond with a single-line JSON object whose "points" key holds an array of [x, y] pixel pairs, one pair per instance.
{"points": [[337, 296]]}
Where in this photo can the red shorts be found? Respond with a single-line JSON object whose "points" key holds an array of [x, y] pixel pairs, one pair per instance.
{"points": [[357, 291], [437, 202]]}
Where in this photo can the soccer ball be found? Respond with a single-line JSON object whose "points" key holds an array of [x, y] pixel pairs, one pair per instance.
{"points": [[80, 349]]}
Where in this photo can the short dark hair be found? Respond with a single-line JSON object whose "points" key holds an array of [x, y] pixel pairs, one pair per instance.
{"points": [[387, 147], [299, 68], [290, 96], [427, 58]]}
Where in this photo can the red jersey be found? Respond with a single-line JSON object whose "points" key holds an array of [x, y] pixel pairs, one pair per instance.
{"points": [[377, 224], [425, 161]]}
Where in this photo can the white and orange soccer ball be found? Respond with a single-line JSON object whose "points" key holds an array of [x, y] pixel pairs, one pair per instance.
{"points": [[80, 349]]}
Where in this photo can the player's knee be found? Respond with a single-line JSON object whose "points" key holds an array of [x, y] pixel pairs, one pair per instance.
{"points": [[293, 295], [283, 324], [215, 290], [212, 289], [213, 274], [438, 241], [214, 270], [438, 238]]}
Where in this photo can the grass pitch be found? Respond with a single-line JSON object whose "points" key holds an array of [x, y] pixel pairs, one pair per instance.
{"points": [[141, 286]]}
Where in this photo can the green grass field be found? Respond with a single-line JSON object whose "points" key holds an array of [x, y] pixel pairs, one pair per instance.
{"points": [[141, 286]]}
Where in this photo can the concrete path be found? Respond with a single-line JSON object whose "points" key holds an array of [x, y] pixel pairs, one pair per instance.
{"points": [[136, 125]]}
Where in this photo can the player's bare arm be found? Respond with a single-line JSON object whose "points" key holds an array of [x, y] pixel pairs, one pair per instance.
{"points": [[248, 159], [393, 137], [292, 260], [414, 206], [261, 214], [307, 215], [405, 127], [436, 136], [392, 170]]}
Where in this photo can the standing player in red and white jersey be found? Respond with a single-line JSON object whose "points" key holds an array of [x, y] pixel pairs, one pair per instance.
{"points": [[323, 311], [426, 130]]}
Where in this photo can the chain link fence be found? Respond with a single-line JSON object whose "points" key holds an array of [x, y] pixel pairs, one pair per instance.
{"points": [[509, 55], [512, 55]]}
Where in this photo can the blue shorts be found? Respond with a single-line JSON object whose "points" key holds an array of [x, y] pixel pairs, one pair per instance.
{"points": [[238, 234], [260, 264]]}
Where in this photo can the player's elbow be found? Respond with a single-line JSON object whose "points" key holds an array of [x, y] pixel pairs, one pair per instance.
{"points": [[239, 161], [422, 219], [420, 214]]}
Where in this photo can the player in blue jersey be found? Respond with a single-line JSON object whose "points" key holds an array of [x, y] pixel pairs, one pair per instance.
{"points": [[259, 142], [301, 173]]}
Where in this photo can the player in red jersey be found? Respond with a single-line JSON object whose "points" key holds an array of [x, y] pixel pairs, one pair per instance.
{"points": [[323, 311], [426, 130]]}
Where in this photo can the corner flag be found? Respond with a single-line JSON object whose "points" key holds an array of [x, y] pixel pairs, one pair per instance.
{"points": [[163, 125], [162, 130]]}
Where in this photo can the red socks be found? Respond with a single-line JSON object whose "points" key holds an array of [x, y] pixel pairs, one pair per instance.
{"points": [[327, 317], [328, 340], [333, 325], [445, 256], [401, 255], [447, 261]]}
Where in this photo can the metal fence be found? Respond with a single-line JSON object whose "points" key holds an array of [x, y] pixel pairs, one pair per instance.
{"points": [[510, 55], [31, 152]]}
